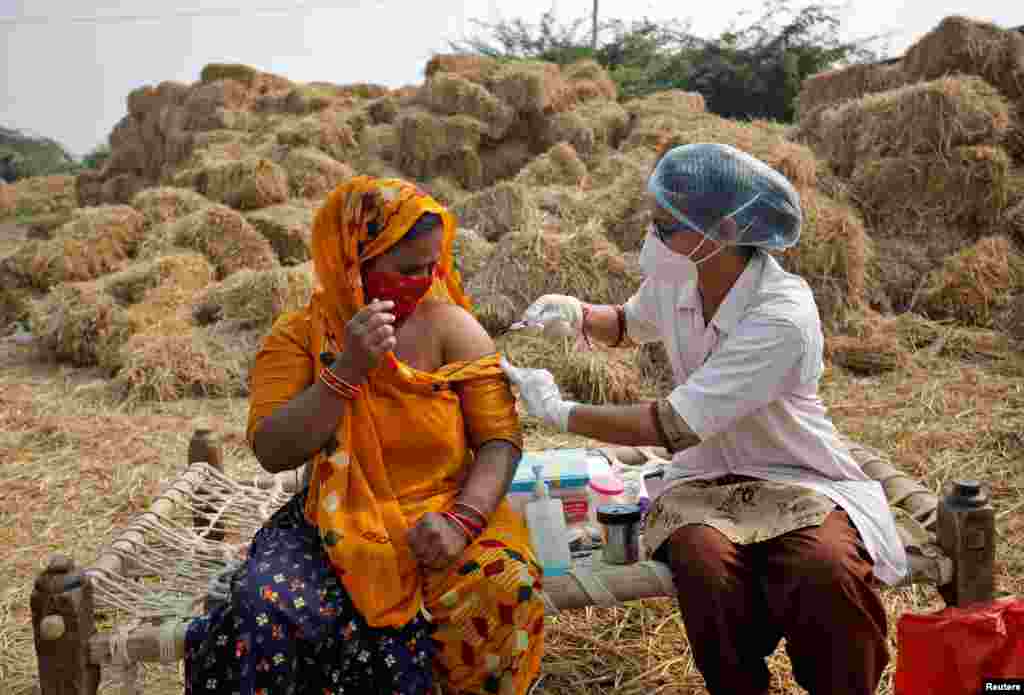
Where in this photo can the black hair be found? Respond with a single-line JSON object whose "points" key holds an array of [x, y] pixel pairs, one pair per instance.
{"points": [[426, 223]]}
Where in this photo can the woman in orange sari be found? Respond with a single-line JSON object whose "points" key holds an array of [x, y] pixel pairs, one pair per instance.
{"points": [[401, 565]]}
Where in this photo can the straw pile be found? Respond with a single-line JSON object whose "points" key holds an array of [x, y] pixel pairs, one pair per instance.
{"points": [[450, 95], [472, 253], [974, 285], [166, 204], [558, 166], [379, 142], [444, 190], [431, 145], [836, 86], [504, 160], [474, 68], [40, 195], [247, 184], [597, 376], [14, 307], [222, 235], [288, 228], [329, 131], [78, 323], [253, 299], [528, 264], [622, 204], [930, 118], [912, 195], [497, 211], [588, 80], [531, 87], [96, 242], [44, 226], [589, 127], [184, 271], [312, 174]]}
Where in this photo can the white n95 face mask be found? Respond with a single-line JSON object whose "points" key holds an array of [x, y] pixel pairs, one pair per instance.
{"points": [[661, 264]]}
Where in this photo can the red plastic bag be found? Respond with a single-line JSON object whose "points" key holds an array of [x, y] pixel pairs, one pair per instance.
{"points": [[953, 651]]}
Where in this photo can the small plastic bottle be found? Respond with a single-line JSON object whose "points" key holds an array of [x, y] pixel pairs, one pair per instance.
{"points": [[548, 533]]}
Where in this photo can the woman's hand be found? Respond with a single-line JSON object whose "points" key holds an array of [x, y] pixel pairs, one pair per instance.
{"points": [[437, 542], [368, 335]]}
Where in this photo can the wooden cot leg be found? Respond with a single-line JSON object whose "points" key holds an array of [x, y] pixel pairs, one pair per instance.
{"points": [[967, 535], [62, 623], [205, 447]]}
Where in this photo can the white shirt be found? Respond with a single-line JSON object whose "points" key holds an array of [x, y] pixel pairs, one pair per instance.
{"points": [[748, 387]]}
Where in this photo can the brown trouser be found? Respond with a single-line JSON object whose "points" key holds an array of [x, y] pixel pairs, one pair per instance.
{"points": [[813, 586]]}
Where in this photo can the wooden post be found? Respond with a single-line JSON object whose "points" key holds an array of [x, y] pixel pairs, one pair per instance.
{"points": [[966, 534], [62, 623], [205, 447]]}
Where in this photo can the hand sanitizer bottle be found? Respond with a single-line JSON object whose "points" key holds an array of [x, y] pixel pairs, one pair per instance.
{"points": [[548, 533]]}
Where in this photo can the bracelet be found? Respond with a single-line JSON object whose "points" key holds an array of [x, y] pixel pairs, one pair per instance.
{"points": [[483, 517], [473, 526], [338, 385], [587, 310], [620, 312], [453, 518]]}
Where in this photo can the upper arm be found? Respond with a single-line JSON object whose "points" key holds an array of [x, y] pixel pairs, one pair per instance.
{"points": [[464, 339], [754, 367], [283, 368]]}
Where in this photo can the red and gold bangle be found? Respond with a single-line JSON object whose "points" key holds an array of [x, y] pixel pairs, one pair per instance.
{"points": [[338, 385], [476, 527], [480, 514], [460, 524]]}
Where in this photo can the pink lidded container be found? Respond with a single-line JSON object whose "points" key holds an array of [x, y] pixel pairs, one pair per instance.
{"points": [[602, 489]]}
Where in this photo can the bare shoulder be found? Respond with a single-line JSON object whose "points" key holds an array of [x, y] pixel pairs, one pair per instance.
{"points": [[462, 336]]}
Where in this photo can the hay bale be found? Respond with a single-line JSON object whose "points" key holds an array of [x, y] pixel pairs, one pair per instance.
{"points": [[505, 160], [428, 143], [288, 228], [558, 166], [225, 238], [584, 264], [495, 312], [312, 174], [97, 241], [248, 184], [450, 95], [44, 226], [45, 195], [962, 45], [901, 265], [185, 270], [78, 323], [499, 210], [444, 190], [327, 130], [379, 142], [835, 86], [622, 205], [228, 71], [475, 68], [834, 255], [671, 102], [383, 111], [588, 80], [254, 299], [121, 189], [531, 87], [866, 356], [186, 364], [912, 195], [208, 102], [598, 376], [975, 284], [930, 118], [1012, 320], [165, 204], [472, 252], [14, 307]]}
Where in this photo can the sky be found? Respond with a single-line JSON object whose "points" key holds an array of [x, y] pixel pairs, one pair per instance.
{"points": [[67, 74]]}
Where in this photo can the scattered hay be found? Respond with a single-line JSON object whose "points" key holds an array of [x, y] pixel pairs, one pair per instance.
{"points": [[475, 68], [44, 195], [165, 204], [505, 160], [585, 264], [975, 284], [930, 118], [914, 194], [923, 339], [185, 364], [450, 95], [254, 299], [558, 166], [288, 228], [836, 86], [834, 255], [962, 45], [97, 241], [312, 174], [866, 356], [327, 130], [248, 184], [596, 376], [379, 142], [494, 212], [472, 253], [225, 238], [531, 87], [78, 323], [185, 270]]}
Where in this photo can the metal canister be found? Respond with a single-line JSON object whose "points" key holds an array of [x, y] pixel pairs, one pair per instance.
{"points": [[621, 525]]}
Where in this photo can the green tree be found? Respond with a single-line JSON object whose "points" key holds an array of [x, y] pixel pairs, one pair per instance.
{"points": [[97, 157]]}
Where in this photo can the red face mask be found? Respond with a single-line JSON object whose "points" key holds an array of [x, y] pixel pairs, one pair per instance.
{"points": [[405, 292]]}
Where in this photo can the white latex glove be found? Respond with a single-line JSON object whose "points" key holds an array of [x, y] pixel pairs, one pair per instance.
{"points": [[556, 315], [540, 393]]}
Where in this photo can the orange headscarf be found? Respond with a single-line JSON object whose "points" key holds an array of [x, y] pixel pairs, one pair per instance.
{"points": [[351, 497]]}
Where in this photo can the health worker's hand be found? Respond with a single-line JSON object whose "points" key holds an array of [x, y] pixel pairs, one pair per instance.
{"points": [[436, 542], [556, 316], [539, 391]]}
